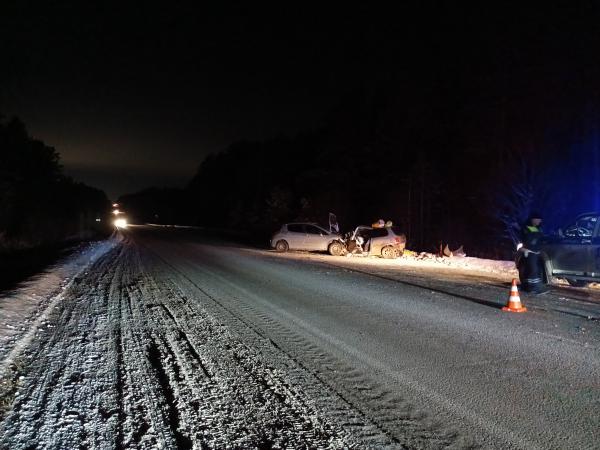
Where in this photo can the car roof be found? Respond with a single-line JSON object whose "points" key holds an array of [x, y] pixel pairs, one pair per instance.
{"points": [[367, 227], [308, 223], [304, 223]]}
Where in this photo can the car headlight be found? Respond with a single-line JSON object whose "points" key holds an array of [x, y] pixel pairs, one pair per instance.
{"points": [[120, 223]]}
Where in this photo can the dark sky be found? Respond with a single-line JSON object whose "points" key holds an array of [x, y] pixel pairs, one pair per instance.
{"points": [[138, 95]]}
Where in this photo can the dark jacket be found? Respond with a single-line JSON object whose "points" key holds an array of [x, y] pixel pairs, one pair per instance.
{"points": [[532, 237]]}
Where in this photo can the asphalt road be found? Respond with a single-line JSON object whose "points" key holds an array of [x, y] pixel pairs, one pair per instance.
{"points": [[213, 344]]}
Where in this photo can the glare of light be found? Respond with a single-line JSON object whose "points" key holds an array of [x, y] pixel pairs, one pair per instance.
{"points": [[519, 246], [115, 205], [116, 212], [97, 219], [120, 223]]}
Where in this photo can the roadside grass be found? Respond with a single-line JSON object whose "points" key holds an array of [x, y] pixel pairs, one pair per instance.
{"points": [[9, 385]]}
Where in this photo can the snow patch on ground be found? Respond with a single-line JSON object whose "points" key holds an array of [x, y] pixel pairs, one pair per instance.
{"points": [[505, 270], [425, 262], [460, 263], [22, 309]]}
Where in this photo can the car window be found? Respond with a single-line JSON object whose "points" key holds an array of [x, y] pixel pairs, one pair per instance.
{"points": [[310, 229], [295, 228], [583, 227], [379, 232], [364, 232]]}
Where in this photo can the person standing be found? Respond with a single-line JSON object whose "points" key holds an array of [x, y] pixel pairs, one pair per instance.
{"points": [[532, 234]]}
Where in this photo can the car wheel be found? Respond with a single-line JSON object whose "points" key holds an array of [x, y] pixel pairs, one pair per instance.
{"points": [[282, 246], [388, 252], [399, 253], [335, 248], [577, 283]]}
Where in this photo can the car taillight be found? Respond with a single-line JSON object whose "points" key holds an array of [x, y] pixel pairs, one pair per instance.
{"points": [[398, 240]]}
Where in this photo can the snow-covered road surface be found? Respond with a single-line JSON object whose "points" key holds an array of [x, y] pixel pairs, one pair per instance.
{"points": [[174, 341]]}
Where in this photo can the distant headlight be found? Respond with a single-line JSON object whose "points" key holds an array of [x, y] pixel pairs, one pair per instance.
{"points": [[120, 223]]}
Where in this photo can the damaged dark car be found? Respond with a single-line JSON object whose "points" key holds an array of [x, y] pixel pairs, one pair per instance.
{"points": [[572, 254]]}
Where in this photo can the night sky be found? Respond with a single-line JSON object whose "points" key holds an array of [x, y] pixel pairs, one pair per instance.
{"points": [[133, 96]]}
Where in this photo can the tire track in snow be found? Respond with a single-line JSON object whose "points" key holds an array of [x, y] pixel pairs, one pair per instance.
{"points": [[242, 356], [393, 416], [346, 410], [156, 357], [58, 387], [139, 359], [411, 427]]}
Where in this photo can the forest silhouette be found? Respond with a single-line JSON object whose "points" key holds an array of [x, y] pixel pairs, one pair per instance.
{"points": [[40, 205], [467, 175]]}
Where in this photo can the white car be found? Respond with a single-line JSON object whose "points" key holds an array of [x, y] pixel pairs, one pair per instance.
{"points": [[307, 236], [387, 242]]}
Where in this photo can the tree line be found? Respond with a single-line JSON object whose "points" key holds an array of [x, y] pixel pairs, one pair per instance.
{"points": [[40, 205], [462, 174]]}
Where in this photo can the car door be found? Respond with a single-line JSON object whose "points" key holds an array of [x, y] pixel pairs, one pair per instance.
{"points": [[594, 269], [379, 239], [295, 236], [572, 253], [315, 238], [365, 234]]}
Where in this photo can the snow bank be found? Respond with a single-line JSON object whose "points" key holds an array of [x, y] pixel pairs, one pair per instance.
{"points": [[22, 310], [428, 261], [424, 264], [477, 264]]}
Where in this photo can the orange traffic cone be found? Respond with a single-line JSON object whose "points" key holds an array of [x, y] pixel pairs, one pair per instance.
{"points": [[514, 301]]}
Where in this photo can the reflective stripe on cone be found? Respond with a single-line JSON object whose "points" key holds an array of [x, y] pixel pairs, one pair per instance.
{"points": [[514, 300]]}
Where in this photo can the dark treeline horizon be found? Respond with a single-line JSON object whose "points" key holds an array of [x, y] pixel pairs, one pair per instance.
{"points": [[454, 123], [466, 170], [39, 205]]}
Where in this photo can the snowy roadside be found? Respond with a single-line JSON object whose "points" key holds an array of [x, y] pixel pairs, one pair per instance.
{"points": [[427, 263], [504, 270], [23, 309], [467, 264], [145, 358], [501, 271]]}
